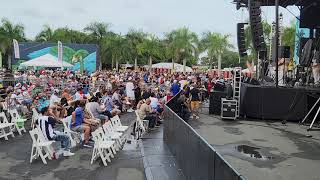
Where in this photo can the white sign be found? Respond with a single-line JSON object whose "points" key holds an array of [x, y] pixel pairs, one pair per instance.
{"points": [[16, 49], [60, 51]]}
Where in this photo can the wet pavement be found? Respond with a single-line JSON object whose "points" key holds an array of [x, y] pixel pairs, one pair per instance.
{"points": [[158, 161], [15, 154], [263, 150]]}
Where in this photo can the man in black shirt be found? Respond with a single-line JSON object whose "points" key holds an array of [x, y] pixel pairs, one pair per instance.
{"points": [[195, 101]]}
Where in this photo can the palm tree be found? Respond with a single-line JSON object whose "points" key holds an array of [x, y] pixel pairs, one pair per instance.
{"points": [[215, 44], [46, 35], [135, 38], [288, 37], [150, 47], [8, 32], [181, 44], [117, 47], [97, 31]]}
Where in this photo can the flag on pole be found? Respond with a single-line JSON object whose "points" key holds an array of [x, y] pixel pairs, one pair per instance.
{"points": [[16, 49], [60, 51]]}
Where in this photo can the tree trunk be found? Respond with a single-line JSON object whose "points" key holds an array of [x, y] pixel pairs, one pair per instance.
{"points": [[184, 65], [219, 64], [150, 64], [210, 63], [172, 70], [117, 65], [9, 61], [112, 62], [136, 64]]}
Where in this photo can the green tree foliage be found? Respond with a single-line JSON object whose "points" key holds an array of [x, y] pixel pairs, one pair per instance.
{"points": [[138, 46], [182, 44], [8, 32], [288, 37], [215, 44]]}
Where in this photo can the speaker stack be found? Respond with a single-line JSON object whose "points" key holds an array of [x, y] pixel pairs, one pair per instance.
{"points": [[241, 39], [256, 26]]}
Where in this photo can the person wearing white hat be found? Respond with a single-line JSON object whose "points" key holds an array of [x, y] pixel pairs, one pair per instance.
{"points": [[130, 92]]}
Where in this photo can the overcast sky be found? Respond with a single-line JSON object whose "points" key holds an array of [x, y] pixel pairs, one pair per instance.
{"points": [[153, 16]]}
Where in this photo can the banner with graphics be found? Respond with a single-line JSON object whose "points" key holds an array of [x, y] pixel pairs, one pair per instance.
{"points": [[79, 55]]}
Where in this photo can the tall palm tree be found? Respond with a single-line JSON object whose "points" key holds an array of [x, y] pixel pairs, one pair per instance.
{"points": [[97, 32], [215, 45], [117, 47], [135, 38], [8, 32], [150, 47], [46, 35], [181, 43]]}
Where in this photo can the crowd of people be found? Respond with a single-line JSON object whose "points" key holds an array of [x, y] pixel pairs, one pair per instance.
{"points": [[93, 99]]}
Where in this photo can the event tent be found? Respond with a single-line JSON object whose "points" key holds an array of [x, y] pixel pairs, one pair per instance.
{"points": [[46, 60], [177, 67]]}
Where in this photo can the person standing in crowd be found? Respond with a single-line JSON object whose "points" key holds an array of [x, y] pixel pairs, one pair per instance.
{"points": [[175, 88], [130, 93], [46, 124], [195, 101]]}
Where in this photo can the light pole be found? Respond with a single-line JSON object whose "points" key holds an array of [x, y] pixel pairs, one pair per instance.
{"points": [[277, 42]]}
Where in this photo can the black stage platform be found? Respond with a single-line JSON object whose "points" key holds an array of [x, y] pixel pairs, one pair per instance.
{"points": [[268, 102]]}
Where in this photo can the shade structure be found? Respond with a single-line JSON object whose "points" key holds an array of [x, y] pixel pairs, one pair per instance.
{"points": [[177, 67], [46, 60]]}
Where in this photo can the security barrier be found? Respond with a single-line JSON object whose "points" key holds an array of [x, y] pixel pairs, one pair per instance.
{"points": [[197, 159]]}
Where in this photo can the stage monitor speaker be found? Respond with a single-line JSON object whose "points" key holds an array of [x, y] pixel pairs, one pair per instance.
{"points": [[310, 14], [256, 25], [241, 39]]}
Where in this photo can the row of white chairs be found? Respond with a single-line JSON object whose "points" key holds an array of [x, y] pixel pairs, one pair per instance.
{"points": [[108, 139], [113, 131], [17, 124]]}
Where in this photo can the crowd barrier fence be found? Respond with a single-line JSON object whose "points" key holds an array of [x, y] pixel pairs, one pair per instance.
{"points": [[197, 159]]}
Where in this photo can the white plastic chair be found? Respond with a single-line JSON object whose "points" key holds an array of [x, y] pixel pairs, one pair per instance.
{"points": [[5, 125], [142, 124], [74, 136], [40, 147], [15, 118], [35, 116], [115, 136], [117, 125], [102, 148]]}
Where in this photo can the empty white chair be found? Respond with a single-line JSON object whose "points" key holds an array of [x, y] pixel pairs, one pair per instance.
{"points": [[116, 136], [6, 128], [17, 120], [117, 125], [40, 146], [102, 148], [74, 136]]}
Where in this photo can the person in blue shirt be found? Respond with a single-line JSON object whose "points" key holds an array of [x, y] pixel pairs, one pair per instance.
{"points": [[175, 88], [82, 124]]}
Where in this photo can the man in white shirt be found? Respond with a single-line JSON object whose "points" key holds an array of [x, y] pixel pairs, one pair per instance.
{"points": [[54, 97]]}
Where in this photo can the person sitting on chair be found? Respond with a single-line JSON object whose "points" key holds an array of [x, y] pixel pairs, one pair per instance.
{"points": [[46, 123]]}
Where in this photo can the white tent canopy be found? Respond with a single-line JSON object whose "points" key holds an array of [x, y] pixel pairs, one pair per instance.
{"points": [[46, 60], [177, 67]]}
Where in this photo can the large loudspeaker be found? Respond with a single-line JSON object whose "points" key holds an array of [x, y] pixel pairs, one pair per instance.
{"points": [[256, 26], [241, 39], [310, 16]]}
